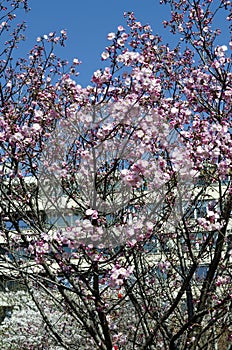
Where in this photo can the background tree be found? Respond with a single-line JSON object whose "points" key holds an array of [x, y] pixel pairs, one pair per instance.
{"points": [[116, 198]]}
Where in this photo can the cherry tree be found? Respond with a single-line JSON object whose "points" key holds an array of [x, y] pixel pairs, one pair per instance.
{"points": [[116, 197]]}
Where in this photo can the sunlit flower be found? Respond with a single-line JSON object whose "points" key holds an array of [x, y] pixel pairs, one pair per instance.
{"points": [[105, 55], [120, 28], [76, 61], [111, 36]]}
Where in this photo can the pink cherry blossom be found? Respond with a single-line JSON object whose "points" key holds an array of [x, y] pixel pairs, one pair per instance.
{"points": [[120, 28], [116, 196], [111, 36], [105, 55]]}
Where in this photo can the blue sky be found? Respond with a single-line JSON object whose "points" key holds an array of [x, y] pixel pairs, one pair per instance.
{"points": [[87, 23]]}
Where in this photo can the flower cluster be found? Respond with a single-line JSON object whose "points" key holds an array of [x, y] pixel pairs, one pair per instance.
{"points": [[118, 274]]}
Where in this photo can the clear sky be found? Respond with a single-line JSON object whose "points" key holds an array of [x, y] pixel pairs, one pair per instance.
{"points": [[87, 23]]}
